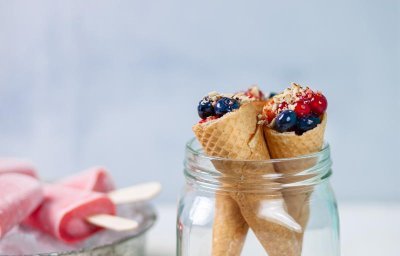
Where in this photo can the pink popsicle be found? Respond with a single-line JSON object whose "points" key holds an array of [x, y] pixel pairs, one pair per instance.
{"points": [[14, 165], [92, 179], [20, 195], [64, 211]]}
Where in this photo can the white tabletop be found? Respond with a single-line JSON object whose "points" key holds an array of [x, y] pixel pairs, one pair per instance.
{"points": [[366, 229]]}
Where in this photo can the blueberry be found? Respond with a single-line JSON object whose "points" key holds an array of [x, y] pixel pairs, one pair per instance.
{"points": [[225, 105], [285, 121], [205, 108], [272, 94], [306, 123]]}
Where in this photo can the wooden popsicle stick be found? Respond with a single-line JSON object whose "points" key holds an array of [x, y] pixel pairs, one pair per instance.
{"points": [[112, 222], [136, 193]]}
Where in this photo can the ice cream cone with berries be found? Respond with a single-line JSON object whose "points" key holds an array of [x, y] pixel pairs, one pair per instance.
{"points": [[294, 124], [229, 129]]}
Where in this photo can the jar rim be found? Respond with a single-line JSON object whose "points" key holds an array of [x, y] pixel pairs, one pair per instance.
{"points": [[325, 150], [285, 173]]}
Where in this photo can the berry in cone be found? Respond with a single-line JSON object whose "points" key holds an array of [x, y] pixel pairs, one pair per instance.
{"points": [[296, 129]]}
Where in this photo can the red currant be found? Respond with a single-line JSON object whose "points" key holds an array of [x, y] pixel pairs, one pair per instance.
{"points": [[302, 109], [318, 104], [208, 119], [309, 94]]}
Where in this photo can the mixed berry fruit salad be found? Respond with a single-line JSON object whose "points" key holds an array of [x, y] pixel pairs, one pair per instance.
{"points": [[296, 109], [215, 105]]}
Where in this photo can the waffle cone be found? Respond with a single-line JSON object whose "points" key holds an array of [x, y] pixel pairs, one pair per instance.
{"points": [[289, 145], [229, 228], [236, 136]]}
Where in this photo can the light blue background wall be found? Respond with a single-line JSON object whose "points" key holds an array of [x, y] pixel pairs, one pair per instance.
{"points": [[117, 82]]}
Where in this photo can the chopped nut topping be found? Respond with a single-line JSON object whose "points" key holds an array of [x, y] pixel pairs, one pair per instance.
{"points": [[285, 100], [252, 94]]}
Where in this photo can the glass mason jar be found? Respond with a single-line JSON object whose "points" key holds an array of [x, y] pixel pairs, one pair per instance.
{"points": [[272, 207]]}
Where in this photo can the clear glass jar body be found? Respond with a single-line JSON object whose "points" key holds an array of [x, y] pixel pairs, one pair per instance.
{"points": [[286, 206]]}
